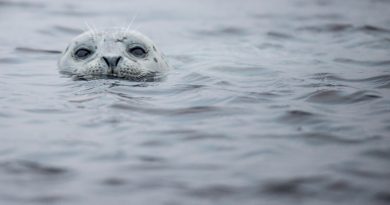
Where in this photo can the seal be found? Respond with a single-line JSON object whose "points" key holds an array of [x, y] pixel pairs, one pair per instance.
{"points": [[112, 53]]}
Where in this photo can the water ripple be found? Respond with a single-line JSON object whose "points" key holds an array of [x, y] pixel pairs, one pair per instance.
{"points": [[379, 81], [28, 167], [363, 62], [300, 117], [340, 97], [268, 102], [208, 110]]}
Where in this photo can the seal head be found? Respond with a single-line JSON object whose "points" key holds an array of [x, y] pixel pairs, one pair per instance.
{"points": [[122, 54]]}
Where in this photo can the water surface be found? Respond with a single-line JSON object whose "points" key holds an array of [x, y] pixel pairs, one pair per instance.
{"points": [[269, 102]]}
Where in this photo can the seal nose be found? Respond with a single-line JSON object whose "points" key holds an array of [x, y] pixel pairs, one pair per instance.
{"points": [[112, 61]]}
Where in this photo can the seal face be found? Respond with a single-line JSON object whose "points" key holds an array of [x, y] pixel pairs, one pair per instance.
{"points": [[112, 53]]}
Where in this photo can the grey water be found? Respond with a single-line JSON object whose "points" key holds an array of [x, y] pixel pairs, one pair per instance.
{"points": [[268, 102]]}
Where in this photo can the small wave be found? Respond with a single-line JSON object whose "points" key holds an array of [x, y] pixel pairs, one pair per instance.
{"points": [[195, 77], [74, 13], [280, 35], [378, 153], [370, 28], [215, 191], [296, 186], [334, 27], [382, 43], [254, 97], [225, 31], [311, 187], [330, 76], [339, 97], [192, 135], [21, 4], [17, 198], [29, 167], [11, 60], [380, 81], [362, 171], [297, 17], [185, 59], [36, 50], [325, 138], [55, 30], [69, 30], [209, 110], [300, 117], [238, 71], [341, 27], [383, 196], [270, 46], [363, 62], [83, 98], [115, 181], [45, 110]]}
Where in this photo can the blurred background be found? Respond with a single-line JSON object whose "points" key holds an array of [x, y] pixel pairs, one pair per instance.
{"points": [[268, 102]]}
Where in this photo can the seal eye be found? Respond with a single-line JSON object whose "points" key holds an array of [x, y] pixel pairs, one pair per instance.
{"points": [[82, 53], [137, 51]]}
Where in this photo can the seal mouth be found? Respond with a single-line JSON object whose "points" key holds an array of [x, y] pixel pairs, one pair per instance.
{"points": [[112, 62], [148, 77], [145, 77]]}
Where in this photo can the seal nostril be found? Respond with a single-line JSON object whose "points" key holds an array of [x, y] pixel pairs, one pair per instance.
{"points": [[112, 62], [117, 60], [106, 60]]}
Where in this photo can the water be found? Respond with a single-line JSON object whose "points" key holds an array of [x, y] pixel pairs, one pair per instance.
{"points": [[269, 102]]}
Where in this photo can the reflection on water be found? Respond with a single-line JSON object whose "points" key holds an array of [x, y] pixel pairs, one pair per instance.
{"points": [[282, 102]]}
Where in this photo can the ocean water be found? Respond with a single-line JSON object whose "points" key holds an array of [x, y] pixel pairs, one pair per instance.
{"points": [[268, 102]]}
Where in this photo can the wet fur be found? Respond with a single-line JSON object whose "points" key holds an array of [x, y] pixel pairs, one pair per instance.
{"points": [[112, 43]]}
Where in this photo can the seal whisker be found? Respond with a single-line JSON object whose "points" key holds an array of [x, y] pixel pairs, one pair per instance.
{"points": [[91, 30], [137, 28], [131, 22], [88, 27]]}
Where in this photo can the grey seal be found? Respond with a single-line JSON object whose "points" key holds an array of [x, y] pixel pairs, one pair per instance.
{"points": [[112, 53]]}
